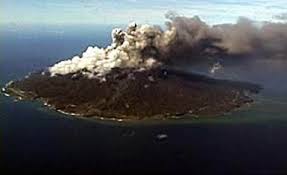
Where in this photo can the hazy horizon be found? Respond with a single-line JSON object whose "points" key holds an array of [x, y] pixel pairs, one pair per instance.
{"points": [[52, 12]]}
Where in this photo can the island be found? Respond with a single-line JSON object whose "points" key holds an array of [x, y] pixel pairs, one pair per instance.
{"points": [[132, 94], [134, 78]]}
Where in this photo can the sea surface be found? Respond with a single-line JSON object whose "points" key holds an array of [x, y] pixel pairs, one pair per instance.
{"points": [[34, 139]]}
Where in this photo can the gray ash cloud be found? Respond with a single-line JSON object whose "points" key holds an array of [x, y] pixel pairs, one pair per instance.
{"points": [[244, 38], [186, 39]]}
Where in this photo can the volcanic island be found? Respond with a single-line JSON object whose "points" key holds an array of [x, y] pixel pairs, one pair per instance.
{"points": [[126, 82]]}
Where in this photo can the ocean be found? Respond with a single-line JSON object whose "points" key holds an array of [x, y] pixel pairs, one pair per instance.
{"points": [[35, 139]]}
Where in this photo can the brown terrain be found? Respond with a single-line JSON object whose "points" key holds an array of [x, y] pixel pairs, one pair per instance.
{"points": [[132, 94]]}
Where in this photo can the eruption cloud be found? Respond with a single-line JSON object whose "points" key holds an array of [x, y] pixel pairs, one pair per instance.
{"points": [[137, 47], [185, 40]]}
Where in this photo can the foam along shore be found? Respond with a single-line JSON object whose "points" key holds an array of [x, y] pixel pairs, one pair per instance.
{"points": [[131, 94]]}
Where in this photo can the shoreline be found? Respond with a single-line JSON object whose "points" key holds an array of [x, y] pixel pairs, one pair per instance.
{"points": [[235, 96], [234, 116], [51, 108]]}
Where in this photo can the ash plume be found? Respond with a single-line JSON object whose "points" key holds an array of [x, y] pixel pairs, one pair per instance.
{"points": [[186, 39], [139, 46], [196, 40]]}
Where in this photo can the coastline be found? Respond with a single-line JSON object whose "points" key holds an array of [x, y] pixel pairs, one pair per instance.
{"points": [[247, 113], [69, 108], [184, 116]]}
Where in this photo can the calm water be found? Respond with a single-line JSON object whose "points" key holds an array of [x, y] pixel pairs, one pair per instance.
{"points": [[35, 139]]}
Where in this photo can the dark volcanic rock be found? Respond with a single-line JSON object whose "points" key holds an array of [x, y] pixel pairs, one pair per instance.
{"points": [[132, 94]]}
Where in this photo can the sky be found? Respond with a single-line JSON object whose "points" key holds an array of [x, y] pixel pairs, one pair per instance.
{"points": [[141, 11]]}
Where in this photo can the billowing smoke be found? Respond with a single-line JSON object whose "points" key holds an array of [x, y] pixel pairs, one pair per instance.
{"points": [[137, 47], [195, 39], [186, 39]]}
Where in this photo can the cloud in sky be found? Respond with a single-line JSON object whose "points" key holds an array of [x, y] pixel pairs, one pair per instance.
{"points": [[143, 11], [282, 16]]}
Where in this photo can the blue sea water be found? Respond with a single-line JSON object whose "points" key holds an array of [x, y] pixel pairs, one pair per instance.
{"points": [[35, 139]]}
